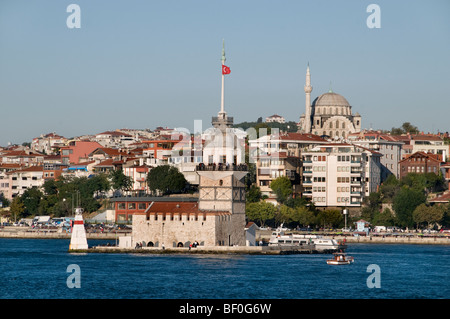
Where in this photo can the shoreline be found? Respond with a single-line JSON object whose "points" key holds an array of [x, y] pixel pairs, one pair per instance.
{"points": [[371, 239]]}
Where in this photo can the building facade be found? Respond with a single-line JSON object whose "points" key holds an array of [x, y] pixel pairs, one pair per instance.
{"points": [[390, 148], [420, 162], [340, 175]]}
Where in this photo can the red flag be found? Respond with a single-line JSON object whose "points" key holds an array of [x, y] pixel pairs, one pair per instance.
{"points": [[225, 69]]}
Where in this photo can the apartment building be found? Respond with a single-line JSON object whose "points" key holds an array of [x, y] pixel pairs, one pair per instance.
{"points": [[340, 175], [280, 155], [388, 146], [25, 178]]}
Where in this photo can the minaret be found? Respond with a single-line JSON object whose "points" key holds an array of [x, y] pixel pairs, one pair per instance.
{"points": [[308, 89]]}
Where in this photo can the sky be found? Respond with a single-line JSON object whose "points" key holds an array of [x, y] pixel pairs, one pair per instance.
{"points": [[142, 64]]}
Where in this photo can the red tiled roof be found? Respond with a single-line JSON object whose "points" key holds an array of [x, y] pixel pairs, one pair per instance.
{"points": [[301, 137], [433, 157], [444, 198]]}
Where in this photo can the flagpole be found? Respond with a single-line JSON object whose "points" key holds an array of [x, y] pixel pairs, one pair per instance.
{"points": [[222, 104]]}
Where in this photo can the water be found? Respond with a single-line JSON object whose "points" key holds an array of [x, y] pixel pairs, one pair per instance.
{"points": [[37, 268]]}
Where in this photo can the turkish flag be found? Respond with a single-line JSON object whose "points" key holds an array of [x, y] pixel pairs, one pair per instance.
{"points": [[225, 69]]}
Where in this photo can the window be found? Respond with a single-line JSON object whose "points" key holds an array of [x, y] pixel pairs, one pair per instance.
{"points": [[141, 206], [121, 206], [131, 205]]}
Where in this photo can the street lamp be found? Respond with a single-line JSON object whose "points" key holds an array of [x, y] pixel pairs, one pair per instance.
{"points": [[345, 212]]}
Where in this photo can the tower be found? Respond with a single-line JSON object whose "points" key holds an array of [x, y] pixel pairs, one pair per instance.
{"points": [[223, 143], [222, 194], [78, 239], [308, 113]]}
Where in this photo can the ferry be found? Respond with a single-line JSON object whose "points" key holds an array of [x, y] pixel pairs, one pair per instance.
{"points": [[322, 244]]}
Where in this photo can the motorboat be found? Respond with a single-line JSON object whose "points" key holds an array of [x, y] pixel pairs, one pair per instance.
{"points": [[340, 259], [321, 243]]}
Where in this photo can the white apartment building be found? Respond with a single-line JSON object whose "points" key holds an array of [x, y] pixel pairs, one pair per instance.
{"points": [[22, 179], [340, 175], [279, 155]]}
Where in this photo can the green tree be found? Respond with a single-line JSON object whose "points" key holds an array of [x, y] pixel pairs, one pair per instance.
{"points": [[4, 201], [329, 218], [166, 179], [428, 214], [284, 214], [254, 194], [385, 218], [405, 202], [119, 181], [389, 188], [260, 212], [282, 188], [304, 216], [31, 199], [17, 208]]}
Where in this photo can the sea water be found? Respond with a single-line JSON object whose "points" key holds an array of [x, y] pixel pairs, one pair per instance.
{"points": [[40, 269]]}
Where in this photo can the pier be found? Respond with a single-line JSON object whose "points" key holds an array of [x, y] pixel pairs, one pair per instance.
{"points": [[214, 250]]}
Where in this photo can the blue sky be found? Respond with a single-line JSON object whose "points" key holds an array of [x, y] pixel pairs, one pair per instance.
{"points": [[142, 64]]}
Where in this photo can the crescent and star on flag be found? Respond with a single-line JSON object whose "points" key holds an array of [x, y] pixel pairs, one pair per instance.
{"points": [[225, 69]]}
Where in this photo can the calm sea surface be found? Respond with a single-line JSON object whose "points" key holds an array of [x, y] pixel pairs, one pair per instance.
{"points": [[37, 268]]}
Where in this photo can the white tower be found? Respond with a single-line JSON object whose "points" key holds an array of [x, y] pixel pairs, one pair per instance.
{"points": [[78, 239], [308, 90]]}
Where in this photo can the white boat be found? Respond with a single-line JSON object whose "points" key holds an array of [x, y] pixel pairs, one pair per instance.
{"points": [[321, 243], [340, 259]]}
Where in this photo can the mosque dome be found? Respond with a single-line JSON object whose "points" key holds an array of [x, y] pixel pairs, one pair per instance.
{"points": [[331, 99], [331, 103]]}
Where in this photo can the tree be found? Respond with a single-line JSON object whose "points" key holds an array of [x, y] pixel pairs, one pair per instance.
{"points": [[166, 179], [304, 216], [31, 199], [428, 214], [405, 202], [254, 194], [282, 187], [389, 188], [119, 181], [284, 214], [385, 218], [406, 127], [329, 217], [4, 201], [260, 212], [16, 208]]}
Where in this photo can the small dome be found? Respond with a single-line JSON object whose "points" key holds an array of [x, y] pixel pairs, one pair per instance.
{"points": [[330, 99]]}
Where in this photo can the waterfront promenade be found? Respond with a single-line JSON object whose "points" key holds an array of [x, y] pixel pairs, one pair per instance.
{"points": [[28, 232]]}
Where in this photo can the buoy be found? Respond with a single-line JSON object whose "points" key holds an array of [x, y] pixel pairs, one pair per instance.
{"points": [[78, 239]]}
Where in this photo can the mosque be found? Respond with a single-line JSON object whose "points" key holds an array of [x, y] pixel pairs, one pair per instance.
{"points": [[330, 114]]}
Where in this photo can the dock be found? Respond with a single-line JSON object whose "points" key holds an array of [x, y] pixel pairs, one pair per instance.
{"points": [[212, 250]]}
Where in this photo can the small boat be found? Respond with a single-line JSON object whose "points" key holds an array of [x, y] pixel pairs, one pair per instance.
{"points": [[340, 259]]}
